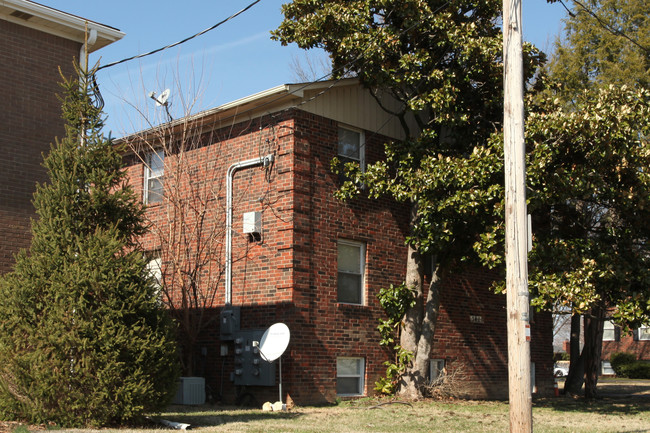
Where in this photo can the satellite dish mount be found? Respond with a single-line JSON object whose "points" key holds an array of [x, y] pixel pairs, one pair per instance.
{"points": [[162, 100], [273, 344]]}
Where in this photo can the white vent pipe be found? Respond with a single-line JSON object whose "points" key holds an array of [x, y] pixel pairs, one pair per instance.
{"points": [[265, 161]]}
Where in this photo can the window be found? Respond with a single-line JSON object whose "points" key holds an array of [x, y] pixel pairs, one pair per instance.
{"points": [[154, 170], [644, 332], [154, 267], [436, 369], [351, 264], [351, 148], [606, 368], [349, 376], [609, 331]]}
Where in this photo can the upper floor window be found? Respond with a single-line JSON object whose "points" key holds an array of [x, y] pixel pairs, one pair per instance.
{"points": [[154, 170], [351, 147], [609, 331], [644, 332], [351, 268]]}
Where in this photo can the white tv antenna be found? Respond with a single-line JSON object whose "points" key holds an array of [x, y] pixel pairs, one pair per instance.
{"points": [[273, 344], [162, 100]]}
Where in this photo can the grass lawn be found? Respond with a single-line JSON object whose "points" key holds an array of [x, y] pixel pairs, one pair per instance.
{"points": [[561, 414]]}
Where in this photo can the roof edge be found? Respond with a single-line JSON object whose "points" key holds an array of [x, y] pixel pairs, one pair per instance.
{"points": [[73, 27]]}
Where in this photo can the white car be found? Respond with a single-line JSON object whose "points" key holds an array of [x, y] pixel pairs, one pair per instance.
{"points": [[559, 371]]}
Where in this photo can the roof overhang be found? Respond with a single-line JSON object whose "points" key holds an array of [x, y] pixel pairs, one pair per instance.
{"points": [[275, 99], [46, 19]]}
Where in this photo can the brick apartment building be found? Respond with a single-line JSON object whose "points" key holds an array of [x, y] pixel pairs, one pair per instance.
{"points": [[636, 341], [35, 41], [301, 257]]}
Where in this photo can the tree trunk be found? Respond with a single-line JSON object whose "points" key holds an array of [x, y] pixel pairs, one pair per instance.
{"points": [[419, 326], [575, 378], [594, 324]]}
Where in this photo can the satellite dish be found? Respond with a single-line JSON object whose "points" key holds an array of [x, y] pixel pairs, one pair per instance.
{"points": [[274, 342], [162, 99]]}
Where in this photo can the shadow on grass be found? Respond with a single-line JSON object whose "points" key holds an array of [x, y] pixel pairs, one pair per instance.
{"points": [[204, 416], [621, 405]]}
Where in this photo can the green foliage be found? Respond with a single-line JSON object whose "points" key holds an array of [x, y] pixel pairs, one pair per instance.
{"points": [[620, 359], [626, 365], [83, 340], [612, 48], [561, 356], [442, 61], [636, 370], [394, 300], [590, 201]]}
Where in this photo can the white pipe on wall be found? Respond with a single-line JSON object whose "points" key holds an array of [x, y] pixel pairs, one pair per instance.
{"points": [[265, 161]]}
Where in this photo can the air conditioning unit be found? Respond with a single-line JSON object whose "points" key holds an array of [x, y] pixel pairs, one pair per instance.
{"points": [[191, 390]]}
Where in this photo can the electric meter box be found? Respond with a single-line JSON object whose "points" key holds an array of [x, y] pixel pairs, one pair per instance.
{"points": [[229, 320], [253, 223], [250, 368]]}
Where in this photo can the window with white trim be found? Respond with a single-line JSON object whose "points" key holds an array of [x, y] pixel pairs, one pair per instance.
{"points": [[350, 374], [154, 268], [644, 332], [154, 170], [351, 147], [609, 331], [436, 370], [351, 268]]}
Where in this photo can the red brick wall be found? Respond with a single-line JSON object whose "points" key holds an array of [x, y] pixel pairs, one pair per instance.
{"points": [[30, 119], [627, 343], [290, 274]]}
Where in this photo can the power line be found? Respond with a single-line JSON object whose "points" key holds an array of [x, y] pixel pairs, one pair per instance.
{"points": [[183, 41], [605, 25]]}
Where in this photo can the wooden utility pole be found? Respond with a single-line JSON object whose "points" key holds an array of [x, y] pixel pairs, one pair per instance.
{"points": [[520, 393]]}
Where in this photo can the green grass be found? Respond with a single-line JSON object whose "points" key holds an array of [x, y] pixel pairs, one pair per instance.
{"points": [[562, 414]]}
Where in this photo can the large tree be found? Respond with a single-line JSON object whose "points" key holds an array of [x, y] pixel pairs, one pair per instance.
{"points": [[83, 339], [441, 60], [605, 42], [589, 197]]}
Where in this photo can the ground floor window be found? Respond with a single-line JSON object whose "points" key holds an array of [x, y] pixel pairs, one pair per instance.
{"points": [[606, 368], [349, 376], [436, 369]]}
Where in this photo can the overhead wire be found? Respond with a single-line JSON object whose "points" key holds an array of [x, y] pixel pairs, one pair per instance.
{"points": [[182, 41]]}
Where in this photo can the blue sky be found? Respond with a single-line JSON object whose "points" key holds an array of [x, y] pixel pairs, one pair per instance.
{"points": [[233, 61]]}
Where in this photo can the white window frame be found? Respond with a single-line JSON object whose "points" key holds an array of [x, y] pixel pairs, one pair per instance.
{"points": [[362, 147], [606, 368], [150, 174], [154, 268], [609, 327], [359, 375], [436, 369], [643, 332], [361, 272]]}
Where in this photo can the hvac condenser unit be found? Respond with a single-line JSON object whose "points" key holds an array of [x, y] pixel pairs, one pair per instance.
{"points": [[191, 390]]}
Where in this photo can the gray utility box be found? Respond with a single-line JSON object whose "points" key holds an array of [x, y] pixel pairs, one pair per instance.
{"points": [[250, 368], [229, 322]]}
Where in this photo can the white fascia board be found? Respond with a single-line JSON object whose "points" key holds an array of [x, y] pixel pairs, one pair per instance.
{"points": [[58, 23]]}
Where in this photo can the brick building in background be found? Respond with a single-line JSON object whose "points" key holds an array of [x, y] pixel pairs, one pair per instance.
{"points": [[35, 41], [301, 257]]}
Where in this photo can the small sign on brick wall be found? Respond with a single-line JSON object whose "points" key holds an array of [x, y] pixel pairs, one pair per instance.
{"points": [[476, 319]]}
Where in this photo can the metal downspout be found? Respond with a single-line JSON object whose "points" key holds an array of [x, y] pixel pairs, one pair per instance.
{"points": [[265, 161]]}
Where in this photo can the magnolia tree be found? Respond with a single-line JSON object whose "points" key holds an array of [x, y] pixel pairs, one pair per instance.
{"points": [[441, 60]]}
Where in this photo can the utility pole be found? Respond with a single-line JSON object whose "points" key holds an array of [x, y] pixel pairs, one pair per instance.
{"points": [[519, 384]]}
